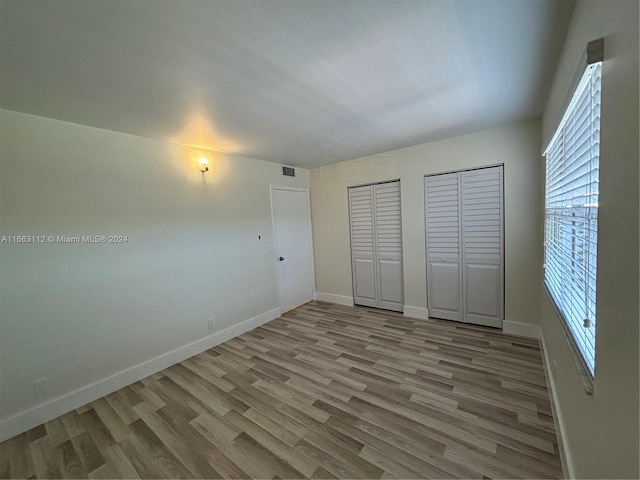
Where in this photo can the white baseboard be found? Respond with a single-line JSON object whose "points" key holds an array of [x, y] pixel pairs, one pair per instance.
{"points": [[35, 416], [521, 329], [416, 312], [568, 469], [332, 298]]}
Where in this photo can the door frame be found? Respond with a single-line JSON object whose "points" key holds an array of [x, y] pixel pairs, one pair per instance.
{"points": [[274, 235]]}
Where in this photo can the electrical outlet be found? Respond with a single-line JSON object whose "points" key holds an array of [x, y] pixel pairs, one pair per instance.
{"points": [[211, 323], [41, 386]]}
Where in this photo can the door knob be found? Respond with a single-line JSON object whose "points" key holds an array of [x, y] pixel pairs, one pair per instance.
{"points": [[281, 258]]}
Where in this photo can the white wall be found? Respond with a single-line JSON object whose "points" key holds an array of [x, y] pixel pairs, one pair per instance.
{"points": [[78, 313], [601, 431], [517, 146]]}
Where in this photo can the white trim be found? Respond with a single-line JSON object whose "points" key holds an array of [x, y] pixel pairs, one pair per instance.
{"points": [[333, 298], [568, 469], [35, 416], [521, 329], [416, 312]]}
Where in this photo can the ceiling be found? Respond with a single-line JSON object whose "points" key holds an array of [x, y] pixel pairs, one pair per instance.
{"points": [[306, 83]]}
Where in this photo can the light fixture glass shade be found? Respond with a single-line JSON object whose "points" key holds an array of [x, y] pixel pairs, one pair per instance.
{"points": [[204, 164]]}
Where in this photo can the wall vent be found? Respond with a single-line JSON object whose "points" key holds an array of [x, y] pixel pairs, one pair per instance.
{"points": [[288, 171]]}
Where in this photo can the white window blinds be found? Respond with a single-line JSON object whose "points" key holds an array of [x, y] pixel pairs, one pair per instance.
{"points": [[571, 213]]}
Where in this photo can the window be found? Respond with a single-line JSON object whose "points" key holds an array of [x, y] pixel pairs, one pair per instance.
{"points": [[571, 214]]}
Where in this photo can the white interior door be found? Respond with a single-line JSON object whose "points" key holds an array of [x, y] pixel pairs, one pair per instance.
{"points": [[482, 218], [388, 222], [294, 247], [442, 221], [465, 251], [376, 245], [363, 246]]}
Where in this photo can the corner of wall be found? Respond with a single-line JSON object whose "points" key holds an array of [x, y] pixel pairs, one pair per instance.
{"points": [[333, 298], [35, 416], [421, 313], [521, 329]]}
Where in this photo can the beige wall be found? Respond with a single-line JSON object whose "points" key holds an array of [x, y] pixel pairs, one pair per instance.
{"points": [[601, 431], [77, 313], [517, 146]]}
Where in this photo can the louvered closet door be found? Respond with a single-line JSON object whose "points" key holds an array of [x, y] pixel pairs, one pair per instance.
{"points": [[442, 222], [388, 236], [376, 245], [465, 266], [363, 264], [482, 218]]}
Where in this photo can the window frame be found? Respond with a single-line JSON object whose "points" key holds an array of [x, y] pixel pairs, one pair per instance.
{"points": [[590, 68]]}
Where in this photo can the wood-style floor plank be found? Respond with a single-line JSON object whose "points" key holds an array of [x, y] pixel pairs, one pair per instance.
{"points": [[325, 391]]}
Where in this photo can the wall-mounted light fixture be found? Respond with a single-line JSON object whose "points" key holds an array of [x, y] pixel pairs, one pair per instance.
{"points": [[204, 164]]}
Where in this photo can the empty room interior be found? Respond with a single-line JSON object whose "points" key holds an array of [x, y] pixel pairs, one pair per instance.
{"points": [[319, 239]]}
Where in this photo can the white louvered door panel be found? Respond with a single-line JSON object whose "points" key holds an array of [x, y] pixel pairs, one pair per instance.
{"points": [[465, 249], [388, 236], [376, 245], [482, 245], [442, 222], [363, 264]]}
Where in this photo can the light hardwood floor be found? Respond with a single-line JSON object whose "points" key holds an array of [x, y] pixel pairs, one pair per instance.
{"points": [[324, 391]]}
